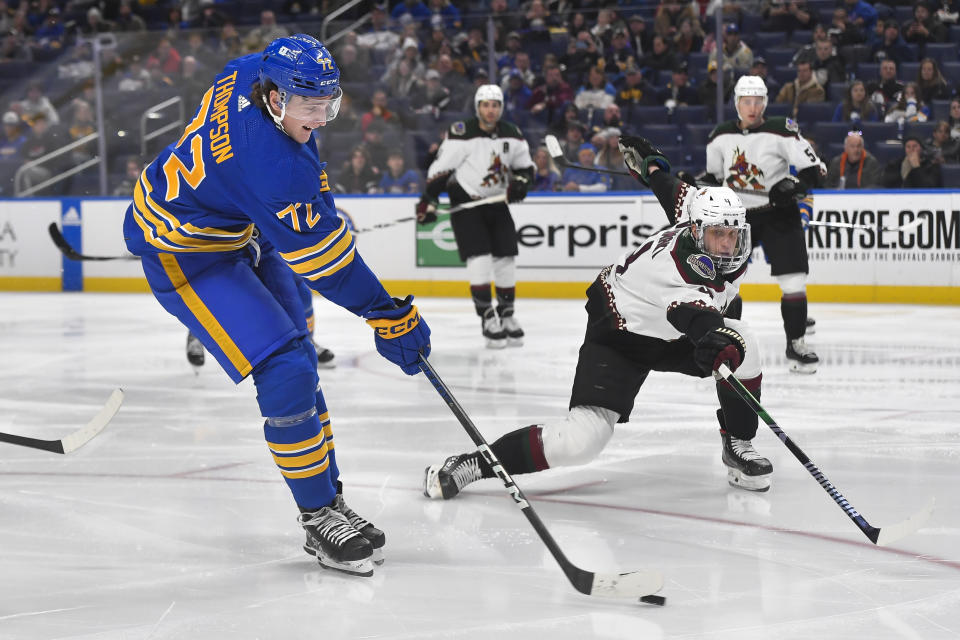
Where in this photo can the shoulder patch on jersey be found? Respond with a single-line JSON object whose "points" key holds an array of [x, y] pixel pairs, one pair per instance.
{"points": [[242, 103], [458, 128], [703, 265], [791, 125]]}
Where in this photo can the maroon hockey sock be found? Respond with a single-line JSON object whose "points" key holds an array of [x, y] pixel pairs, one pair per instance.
{"points": [[519, 451], [793, 309], [482, 297], [735, 416]]}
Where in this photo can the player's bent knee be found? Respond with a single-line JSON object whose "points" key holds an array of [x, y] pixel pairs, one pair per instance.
{"points": [[579, 437], [286, 380], [792, 283], [752, 364]]}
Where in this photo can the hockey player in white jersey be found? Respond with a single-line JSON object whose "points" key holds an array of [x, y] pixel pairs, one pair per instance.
{"points": [[658, 308], [753, 155], [479, 158]]}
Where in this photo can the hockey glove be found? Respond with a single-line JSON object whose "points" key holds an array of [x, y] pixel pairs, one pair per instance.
{"points": [[785, 193], [517, 189], [401, 334], [638, 154], [719, 346], [426, 210], [686, 176]]}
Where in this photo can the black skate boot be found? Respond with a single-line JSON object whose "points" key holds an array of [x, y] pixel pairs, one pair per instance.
{"points": [[374, 536], [811, 326], [492, 331], [746, 469], [800, 357], [444, 481], [335, 543], [324, 357], [195, 352], [508, 321]]}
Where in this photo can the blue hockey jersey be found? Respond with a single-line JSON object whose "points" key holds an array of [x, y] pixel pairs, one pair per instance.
{"points": [[233, 170]]}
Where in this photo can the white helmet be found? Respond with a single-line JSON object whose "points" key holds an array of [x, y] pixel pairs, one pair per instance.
{"points": [[749, 86], [721, 207], [486, 92]]}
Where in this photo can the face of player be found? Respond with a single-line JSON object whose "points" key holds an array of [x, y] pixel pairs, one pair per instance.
{"points": [[751, 110], [720, 241], [489, 112], [304, 114]]}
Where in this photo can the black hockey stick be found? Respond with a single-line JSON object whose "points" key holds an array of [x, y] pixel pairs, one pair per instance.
{"points": [[556, 152], [879, 536], [635, 584], [79, 437], [57, 236], [445, 208]]}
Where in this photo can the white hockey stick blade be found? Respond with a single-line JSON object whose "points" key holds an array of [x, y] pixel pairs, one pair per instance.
{"points": [[891, 534], [82, 436], [553, 146], [635, 584], [905, 227]]}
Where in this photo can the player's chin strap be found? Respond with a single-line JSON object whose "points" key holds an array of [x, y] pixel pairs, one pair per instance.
{"points": [[278, 120]]}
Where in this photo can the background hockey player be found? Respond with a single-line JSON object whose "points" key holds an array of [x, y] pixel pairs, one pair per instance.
{"points": [[482, 157], [753, 155], [249, 158], [658, 308], [196, 355]]}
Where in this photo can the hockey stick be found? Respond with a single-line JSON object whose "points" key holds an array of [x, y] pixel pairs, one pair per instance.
{"points": [[79, 437], [879, 536], [443, 207], [553, 148], [635, 584], [57, 236]]}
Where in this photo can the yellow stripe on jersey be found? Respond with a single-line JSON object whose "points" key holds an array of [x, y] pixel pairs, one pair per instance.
{"points": [[343, 262], [301, 461], [328, 256], [203, 314], [317, 248]]}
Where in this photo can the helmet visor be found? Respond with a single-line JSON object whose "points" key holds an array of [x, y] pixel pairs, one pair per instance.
{"points": [[310, 108], [729, 246]]}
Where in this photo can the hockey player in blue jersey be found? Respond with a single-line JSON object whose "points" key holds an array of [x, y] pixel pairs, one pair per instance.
{"points": [[221, 217]]}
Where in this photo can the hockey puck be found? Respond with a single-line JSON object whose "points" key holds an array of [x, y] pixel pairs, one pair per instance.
{"points": [[657, 600]]}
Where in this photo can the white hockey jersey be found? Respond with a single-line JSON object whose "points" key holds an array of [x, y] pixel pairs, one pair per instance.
{"points": [[750, 162], [668, 270], [481, 161]]}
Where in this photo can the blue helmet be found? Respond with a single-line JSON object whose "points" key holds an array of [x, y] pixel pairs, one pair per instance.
{"points": [[300, 65]]}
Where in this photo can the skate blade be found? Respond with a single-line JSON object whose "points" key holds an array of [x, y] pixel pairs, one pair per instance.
{"points": [[362, 568], [514, 342], [496, 344], [736, 478], [799, 367], [377, 556], [330, 364]]}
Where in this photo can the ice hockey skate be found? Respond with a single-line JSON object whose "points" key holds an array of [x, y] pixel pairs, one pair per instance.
{"points": [[495, 335], [335, 543], [746, 469], [444, 481], [374, 536], [195, 353], [324, 357], [811, 326], [511, 327], [800, 357]]}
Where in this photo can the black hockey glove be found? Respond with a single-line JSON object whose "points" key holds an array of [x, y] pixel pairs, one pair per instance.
{"points": [[786, 193], [426, 210], [719, 346], [517, 189], [638, 154], [686, 176]]}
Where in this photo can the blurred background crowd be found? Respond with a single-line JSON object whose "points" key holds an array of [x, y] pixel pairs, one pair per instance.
{"points": [[873, 86]]}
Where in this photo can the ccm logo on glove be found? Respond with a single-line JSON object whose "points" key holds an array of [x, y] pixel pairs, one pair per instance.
{"points": [[389, 329]]}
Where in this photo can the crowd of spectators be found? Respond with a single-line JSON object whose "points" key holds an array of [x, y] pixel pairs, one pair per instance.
{"points": [[874, 86]]}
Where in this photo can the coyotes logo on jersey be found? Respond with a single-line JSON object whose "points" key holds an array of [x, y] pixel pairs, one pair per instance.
{"points": [[494, 172], [742, 174]]}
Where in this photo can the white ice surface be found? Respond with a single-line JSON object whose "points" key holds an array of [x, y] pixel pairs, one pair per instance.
{"points": [[175, 523]]}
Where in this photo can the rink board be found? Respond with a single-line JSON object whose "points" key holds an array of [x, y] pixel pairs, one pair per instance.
{"points": [[565, 240]]}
